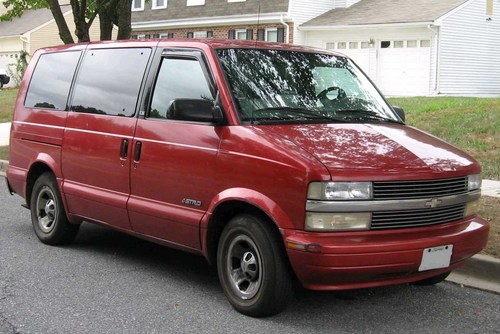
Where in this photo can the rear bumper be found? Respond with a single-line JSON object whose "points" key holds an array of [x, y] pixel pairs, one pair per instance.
{"points": [[350, 260]]}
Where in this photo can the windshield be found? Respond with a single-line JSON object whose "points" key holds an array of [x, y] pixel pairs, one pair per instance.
{"points": [[276, 86]]}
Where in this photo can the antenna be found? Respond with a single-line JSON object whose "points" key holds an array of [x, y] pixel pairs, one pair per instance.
{"points": [[258, 25]]}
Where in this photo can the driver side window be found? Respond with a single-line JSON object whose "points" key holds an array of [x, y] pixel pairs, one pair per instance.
{"points": [[178, 78]]}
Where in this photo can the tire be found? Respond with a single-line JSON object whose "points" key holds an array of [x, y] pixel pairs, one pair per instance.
{"points": [[47, 213], [252, 267], [432, 280]]}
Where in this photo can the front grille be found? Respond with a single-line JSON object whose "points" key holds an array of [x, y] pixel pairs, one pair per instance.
{"points": [[419, 189], [416, 218]]}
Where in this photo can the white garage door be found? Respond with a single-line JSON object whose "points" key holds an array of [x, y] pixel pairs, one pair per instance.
{"points": [[403, 67], [356, 50]]}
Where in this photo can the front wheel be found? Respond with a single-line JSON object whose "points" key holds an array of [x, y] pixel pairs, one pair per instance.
{"points": [[252, 267], [47, 213]]}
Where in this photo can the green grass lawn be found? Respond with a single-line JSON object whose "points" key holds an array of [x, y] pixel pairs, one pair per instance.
{"points": [[7, 101], [472, 124]]}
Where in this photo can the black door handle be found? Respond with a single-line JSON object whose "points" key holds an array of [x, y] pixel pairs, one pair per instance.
{"points": [[137, 153], [124, 149]]}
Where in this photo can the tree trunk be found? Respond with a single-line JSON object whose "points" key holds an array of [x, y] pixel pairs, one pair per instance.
{"points": [[124, 11], [81, 28], [64, 32]]}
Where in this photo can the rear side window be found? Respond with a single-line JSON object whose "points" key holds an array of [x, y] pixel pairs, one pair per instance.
{"points": [[51, 80], [109, 81]]}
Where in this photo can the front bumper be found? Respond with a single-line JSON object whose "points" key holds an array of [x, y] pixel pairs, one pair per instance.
{"points": [[350, 260]]}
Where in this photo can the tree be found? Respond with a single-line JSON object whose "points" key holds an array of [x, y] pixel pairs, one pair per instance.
{"points": [[111, 12]]}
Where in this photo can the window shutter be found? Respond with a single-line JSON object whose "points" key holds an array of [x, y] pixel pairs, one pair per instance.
{"points": [[281, 35], [210, 34], [231, 34], [249, 33], [261, 34], [190, 34]]}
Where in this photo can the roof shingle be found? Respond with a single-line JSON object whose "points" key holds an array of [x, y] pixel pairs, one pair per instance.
{"points": [[30, 20], [385, 11], [177, 9]]}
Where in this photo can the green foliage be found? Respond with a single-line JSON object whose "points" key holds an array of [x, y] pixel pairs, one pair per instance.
{"points": [[19, 67], [17, 7]]}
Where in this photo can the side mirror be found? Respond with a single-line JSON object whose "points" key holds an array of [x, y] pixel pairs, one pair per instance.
{"points": [[194, 110], [400, 112]]}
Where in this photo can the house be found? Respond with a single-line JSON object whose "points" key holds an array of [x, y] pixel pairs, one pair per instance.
{"points": [[33, 30], [274, 21], [416, 47]]}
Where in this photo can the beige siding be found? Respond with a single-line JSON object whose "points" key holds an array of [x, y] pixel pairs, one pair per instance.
{"points": [[48, 35]]}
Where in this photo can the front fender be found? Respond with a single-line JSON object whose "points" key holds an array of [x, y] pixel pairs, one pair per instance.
{"points": [[254, 198]]}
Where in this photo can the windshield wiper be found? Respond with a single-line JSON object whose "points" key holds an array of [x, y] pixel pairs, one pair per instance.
{"points": [[369, 114], [300, 111]]}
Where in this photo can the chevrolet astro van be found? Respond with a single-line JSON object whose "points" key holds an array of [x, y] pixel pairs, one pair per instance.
{"points": [[275, 162]]}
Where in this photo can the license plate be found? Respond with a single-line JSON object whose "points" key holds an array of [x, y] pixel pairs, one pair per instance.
{"points": [[436, 257]]}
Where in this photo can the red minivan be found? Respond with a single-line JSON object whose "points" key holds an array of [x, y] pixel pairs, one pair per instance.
{"points": [[275, 162]]}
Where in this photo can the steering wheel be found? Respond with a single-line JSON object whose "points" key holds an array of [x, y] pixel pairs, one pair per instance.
{"points": [[323, 95]]}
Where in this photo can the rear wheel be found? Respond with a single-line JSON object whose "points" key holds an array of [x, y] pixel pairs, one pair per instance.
{"points": [[432, 280], [47, 213], [252, 267]]}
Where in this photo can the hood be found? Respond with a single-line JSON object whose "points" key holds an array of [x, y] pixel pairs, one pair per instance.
{"points": [[378, 151]]}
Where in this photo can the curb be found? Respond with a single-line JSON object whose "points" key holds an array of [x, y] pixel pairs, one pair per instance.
{"points": [[3, 167], [480, 271]]}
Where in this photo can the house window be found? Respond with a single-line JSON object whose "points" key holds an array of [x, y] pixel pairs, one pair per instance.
{"points": [[353, 45], [341, 45], [425, 43], [190, 34], [241, 34], [330, 46], [141, 36], [167, 35], [156, 36], [411, 44], [271, 35], [195, 2], [137, 5], [365, 45], [385, 44], [159, 4], [399, 44], [200, 34]]}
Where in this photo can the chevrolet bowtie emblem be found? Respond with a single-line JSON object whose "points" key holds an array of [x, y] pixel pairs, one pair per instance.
{"points": [[433, 203]]}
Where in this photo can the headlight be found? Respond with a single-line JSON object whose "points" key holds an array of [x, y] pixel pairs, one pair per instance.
{"points": [[326, 221], [332, 191], [474, 182]]}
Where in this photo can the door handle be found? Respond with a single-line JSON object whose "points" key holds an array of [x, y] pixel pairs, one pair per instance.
{"points": [[124, 149], [137, 153]]}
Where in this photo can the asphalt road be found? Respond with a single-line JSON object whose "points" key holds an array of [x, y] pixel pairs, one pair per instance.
{"points": [[108, 282]]}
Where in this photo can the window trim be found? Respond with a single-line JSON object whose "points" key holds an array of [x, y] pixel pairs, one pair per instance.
{"points": [[138, 9], [190, 3], [154, 5], [267, 31]]}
